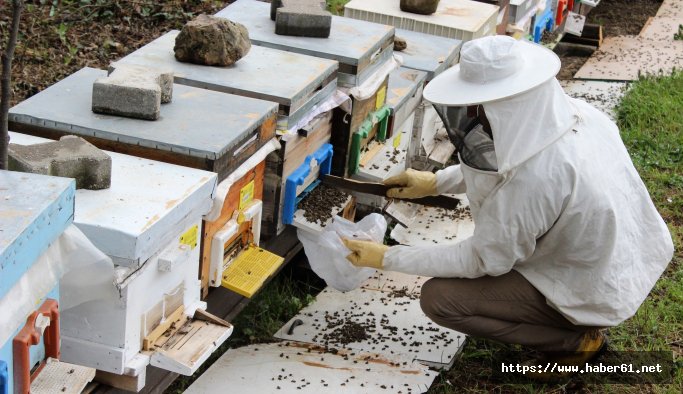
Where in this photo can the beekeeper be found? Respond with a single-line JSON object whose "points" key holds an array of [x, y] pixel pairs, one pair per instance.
{"points": [[566, 239]]}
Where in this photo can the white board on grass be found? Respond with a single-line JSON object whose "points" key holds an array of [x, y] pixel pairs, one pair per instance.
{"points": [[436, 226], [299, 368], [603, 95], [389, 281], [399, 327]]}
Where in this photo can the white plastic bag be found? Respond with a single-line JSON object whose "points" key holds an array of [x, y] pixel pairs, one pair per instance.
{"points": [[83, 272], [327, 254]]}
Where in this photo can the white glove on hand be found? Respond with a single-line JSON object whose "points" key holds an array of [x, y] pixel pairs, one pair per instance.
{"points": [[412, 184]]}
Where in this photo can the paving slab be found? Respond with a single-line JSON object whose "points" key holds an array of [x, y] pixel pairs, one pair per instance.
{"points": [[661, 28], [393, 323], [295, 367], [624, 58], [127, 93], [70, 157], [671, 8], [604, 96], [304, 18]]}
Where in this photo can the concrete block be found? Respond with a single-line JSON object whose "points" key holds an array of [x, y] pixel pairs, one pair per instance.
{"points": [[304, 18], [128, 92], [70, 157], [164, 76]]}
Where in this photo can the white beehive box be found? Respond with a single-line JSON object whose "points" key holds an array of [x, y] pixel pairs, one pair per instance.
{"points": [[461, 19], [150, 222]]}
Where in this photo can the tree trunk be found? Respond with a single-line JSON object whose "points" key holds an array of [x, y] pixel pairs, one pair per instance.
{"points": [[6, 80]]}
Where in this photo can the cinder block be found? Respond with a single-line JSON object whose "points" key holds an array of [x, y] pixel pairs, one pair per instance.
{"points": [[70, 157], [128, 93], [163, 75], [303, 18]]}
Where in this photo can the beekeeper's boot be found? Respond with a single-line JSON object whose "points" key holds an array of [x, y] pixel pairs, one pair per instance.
{"points": [[592, 345]]}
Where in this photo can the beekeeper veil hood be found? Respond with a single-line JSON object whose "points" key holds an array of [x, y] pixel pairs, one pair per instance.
{"points": [[514, 80]]}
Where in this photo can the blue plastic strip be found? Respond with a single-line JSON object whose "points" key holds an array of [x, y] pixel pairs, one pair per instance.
{"points": [[4, 378], [545, 21], [323, 156]]}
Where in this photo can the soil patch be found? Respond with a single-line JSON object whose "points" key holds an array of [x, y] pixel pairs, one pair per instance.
{"points": [[58, 38], [570, 65], [617, 17], [623, 17]]}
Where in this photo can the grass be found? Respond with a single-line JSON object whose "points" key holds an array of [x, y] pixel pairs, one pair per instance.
{"points": [[336, 6]]}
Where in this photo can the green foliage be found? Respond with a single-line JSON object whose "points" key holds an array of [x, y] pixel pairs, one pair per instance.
{"points": [[651, 123], [337, 6], [679, 35]]}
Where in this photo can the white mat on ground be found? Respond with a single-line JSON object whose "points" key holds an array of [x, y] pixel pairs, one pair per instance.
{"points": [[624, 58], [393, 324], [388, 281], [431, 226], [604, 96], [300, 368]]}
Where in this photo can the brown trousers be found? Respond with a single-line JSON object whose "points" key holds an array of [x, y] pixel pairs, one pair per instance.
{"points": [[505, 308]]}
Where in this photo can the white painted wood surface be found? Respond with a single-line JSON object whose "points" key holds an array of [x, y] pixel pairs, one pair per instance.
{"points": [[299, 368], [61, 377], [401, 328]]}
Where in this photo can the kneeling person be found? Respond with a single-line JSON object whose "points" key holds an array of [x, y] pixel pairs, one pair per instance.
{"points": [[566, 240]]}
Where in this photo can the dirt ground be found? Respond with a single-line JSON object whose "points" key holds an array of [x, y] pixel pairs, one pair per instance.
{"points": [[58, 38], [617, 17], [623, 17]]}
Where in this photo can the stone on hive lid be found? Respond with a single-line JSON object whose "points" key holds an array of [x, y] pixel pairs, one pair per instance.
{"points": [[212, 41], [130, 92], [423, 7], [70, 157], [164, 76], [304, 18], [400, 43]]}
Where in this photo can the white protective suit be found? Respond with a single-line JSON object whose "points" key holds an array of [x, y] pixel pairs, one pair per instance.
{"points": [[566, 209]]}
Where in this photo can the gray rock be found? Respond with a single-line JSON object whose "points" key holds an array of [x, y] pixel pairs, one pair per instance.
{"points": [[212, 41], [304, 18], [70, 157], [424, 7], [400, 43], [128, 92]]}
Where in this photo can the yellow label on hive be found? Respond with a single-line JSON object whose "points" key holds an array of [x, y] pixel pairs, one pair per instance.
{"points": [[397, 141], [246, 195], [189, 237], [381, 97]]}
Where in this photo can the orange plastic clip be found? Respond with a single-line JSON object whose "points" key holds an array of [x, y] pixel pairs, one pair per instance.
{"points": [[30, 336]]}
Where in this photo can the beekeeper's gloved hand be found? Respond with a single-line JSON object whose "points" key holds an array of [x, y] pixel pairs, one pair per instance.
{"points": [[412, 184], [365, 253]]}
